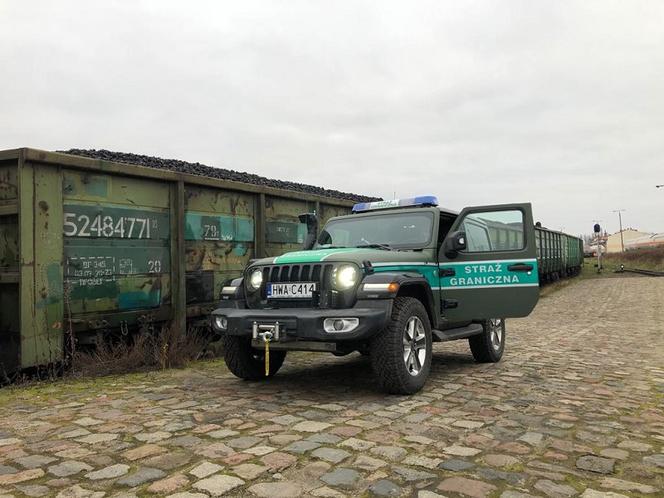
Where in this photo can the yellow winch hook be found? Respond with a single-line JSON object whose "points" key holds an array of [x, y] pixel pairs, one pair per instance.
{"points": [[267, 357]]}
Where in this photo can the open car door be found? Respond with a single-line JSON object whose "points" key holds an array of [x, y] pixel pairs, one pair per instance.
{"points": [[488, 264]]}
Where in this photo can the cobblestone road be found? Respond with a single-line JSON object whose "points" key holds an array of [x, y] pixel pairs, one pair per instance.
{"points": [[576, 408]]}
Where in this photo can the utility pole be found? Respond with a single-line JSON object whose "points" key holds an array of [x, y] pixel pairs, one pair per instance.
{"points": [[622, 241]]}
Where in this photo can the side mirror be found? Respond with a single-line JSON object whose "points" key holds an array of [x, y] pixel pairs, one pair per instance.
{"points": [[311, 221], [455, 242]]}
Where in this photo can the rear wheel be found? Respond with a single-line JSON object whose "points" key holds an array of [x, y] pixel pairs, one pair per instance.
{"points": [[401, 353], [247, 362], [488, 346]]}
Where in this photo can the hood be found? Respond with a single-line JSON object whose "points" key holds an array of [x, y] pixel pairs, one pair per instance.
{"points": [[346, 254]]}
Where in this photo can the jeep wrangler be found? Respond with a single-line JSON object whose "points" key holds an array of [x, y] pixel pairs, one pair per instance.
{"points": [[387, 281]]}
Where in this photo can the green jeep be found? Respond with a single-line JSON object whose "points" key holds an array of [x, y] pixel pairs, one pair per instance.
{"points": [[387, 281]]}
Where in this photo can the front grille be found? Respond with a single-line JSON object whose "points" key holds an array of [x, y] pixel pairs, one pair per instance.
{"points": [[321, 273]]}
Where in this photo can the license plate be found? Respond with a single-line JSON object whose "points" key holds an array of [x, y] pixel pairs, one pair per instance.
{"points": [[292, 290]]}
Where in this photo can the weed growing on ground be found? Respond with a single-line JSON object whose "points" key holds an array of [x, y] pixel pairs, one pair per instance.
{"points": [[145, 350]]}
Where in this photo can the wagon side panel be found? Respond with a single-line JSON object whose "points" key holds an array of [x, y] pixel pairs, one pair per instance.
{"points": [[283, 230], [117, 249], [219, 235], [328, 211]]}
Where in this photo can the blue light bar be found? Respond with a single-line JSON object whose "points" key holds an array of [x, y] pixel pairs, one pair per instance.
{"points": [[422, 200]]}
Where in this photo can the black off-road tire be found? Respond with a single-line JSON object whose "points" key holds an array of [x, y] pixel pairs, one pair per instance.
{"points": [[483, 347], [387, 349], [249, 363]]}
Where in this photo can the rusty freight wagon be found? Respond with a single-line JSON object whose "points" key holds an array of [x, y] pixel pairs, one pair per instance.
{"points": [[89, 245]]}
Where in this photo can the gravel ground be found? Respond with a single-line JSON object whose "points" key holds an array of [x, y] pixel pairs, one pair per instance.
{"points": [[209, 171], [576, 408]]}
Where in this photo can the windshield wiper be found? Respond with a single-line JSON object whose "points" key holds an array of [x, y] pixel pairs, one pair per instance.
{"points": [[374, 245]]}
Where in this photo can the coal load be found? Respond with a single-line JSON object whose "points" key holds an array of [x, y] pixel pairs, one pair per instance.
{"points": [[208, 171]]}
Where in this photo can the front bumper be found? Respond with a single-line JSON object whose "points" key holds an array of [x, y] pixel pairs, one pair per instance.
{"points": [[303, 324]]}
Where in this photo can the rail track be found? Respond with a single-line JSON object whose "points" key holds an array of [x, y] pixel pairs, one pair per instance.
{"points": [[650, 273]]}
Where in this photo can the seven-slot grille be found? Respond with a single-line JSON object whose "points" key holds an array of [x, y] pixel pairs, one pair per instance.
{"points": [[315, 272], [296, 273]]}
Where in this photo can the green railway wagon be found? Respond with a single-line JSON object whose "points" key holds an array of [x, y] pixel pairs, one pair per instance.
{"points": [[559, 254], [89, 246]]}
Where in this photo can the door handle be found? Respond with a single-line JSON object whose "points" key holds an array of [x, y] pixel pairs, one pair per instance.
{"points": [[446, 272], [520, 267]]}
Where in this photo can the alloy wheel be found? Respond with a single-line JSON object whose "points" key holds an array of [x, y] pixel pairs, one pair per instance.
{"points": [[414, 345], [496, 335]]}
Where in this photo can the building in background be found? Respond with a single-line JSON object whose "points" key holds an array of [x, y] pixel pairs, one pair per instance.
{"points": [[645, 242], [613, 243]]}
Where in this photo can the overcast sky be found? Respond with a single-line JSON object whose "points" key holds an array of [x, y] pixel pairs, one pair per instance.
{"points": [[557, 103]]}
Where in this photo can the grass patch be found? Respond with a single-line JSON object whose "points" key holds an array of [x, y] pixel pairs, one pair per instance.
{"points": [[114, 365], [43, 393], [147, 349], [577, 483], [589, 269], [643, 259]]}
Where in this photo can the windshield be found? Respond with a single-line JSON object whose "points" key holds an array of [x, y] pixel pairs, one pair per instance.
{"points": [[389, 231]]}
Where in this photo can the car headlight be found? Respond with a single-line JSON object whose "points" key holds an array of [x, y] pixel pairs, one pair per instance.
{"points": [[220, 322], [256, 279], [345, 277]]}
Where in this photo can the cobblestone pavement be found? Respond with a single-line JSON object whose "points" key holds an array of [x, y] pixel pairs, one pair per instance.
{"points": [[576, 408]]}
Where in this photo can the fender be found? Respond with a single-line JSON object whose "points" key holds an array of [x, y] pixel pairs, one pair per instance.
{"points": [[237, 282], [410, 284], [238, 296]]}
